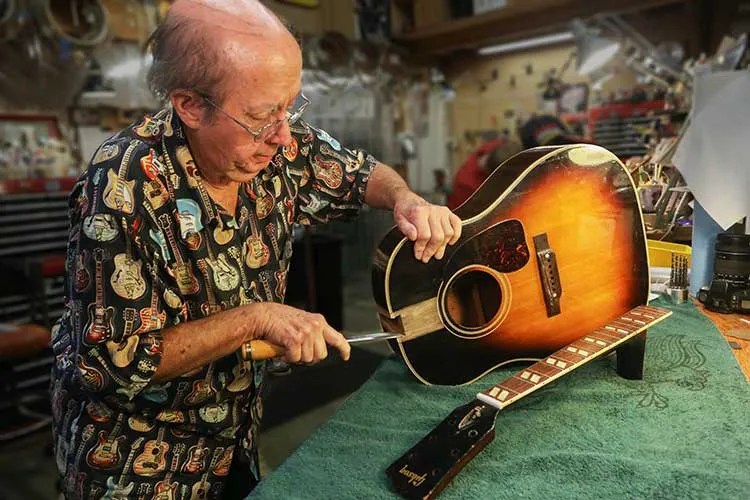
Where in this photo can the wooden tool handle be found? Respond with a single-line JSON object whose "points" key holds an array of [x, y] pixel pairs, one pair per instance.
{"points": [[258, 350]]}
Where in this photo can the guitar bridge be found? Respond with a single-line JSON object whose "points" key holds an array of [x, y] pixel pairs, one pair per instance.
{"points": [[547, 264]]}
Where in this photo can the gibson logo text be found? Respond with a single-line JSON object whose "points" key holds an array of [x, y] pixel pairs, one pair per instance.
{"points": [[414, 478]]}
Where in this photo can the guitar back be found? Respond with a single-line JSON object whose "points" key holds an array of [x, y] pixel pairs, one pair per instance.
{"points": [[552, 247]]}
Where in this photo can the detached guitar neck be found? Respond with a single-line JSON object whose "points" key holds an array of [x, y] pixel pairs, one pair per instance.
{"points": [[558, 364], [427, 468]]}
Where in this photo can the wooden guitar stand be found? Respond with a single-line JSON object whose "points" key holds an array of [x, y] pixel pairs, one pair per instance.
{"points": [[630, 356]]}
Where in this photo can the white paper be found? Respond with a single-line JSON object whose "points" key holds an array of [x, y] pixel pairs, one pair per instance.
{"points": [[714, 153]]}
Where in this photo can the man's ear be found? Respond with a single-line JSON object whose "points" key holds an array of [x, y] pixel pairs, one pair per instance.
{"points": [[189, 107]]}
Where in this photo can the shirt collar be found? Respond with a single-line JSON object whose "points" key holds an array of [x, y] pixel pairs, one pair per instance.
{"points": [[174, 139]]}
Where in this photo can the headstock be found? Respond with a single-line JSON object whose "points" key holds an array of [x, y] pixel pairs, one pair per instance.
{"points": [[428, 467]]}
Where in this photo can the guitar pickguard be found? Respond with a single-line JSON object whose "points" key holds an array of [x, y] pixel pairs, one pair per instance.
{"points": [[501, 247]]}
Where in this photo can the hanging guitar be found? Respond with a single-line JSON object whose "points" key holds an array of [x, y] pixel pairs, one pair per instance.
{"points": [[552, 248]]}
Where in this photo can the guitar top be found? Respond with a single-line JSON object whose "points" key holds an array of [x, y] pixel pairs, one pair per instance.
{"points": [[552, 247]]}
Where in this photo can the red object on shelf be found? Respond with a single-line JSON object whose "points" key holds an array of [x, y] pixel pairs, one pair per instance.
{"points": [[573, 117], [51, 185], [625, 109], [621, 110]]}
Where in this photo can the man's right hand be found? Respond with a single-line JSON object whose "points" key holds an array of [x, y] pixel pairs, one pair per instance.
{"points": [[304, 336]]}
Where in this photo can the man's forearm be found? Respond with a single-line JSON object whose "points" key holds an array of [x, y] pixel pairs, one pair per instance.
{"points": [[193, 344], [385, 187]]}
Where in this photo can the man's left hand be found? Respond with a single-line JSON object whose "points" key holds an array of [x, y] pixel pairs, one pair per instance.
{"points": [[430, 227]]}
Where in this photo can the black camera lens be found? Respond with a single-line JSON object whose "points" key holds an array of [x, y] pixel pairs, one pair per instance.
{"points": [[732, 261]]}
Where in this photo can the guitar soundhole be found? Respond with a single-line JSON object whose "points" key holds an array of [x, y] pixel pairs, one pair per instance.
{"points": [[473, 299]]}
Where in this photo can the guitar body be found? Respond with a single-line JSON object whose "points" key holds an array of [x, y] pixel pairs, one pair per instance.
{"points": [[223, 236], [123, 353], [160, 240], [139, 424], [91, 378], [116, 492], [118, 194], [200, 489], [155, 192], [257, 252], [241, 379], [106, 454], [82, 276], [127, 280], [329, 172], [221, 468], [225, 275], [165, 490], [196, 460], [151, 319], [101, 323], [186, 280], [552, 247], [202, 390], [152, 460]]}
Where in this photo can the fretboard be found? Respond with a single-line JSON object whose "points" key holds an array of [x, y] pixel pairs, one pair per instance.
{"points": [[99, 288], [575, 355]]}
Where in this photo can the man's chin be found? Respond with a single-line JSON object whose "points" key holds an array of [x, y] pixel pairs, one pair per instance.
{"points": [[246, 173]]}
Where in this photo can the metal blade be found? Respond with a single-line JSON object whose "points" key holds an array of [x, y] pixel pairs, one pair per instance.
{"points": [[372, 337]]}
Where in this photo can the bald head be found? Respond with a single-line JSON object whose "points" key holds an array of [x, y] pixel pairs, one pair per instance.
{"points": [[249, 17], [202, 41]]}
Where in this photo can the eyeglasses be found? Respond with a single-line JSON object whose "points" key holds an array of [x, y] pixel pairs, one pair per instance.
{"points": [[300, 104]]}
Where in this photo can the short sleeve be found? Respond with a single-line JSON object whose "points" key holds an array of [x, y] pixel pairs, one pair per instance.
{"points": [[332, 180]]}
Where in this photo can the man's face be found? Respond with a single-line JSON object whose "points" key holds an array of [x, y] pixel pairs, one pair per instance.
{"points": [[257, 94]]}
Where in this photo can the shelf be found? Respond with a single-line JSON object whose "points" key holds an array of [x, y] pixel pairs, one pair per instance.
{"points": [[521, 18]]}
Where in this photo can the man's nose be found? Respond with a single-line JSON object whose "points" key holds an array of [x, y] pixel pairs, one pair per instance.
{"points": [[283, 135]]}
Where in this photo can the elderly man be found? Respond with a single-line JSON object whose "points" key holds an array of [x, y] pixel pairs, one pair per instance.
{"points": [[180, 242]]}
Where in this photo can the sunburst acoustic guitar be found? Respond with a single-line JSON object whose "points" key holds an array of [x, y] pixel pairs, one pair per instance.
{"points": [[552, 248]]}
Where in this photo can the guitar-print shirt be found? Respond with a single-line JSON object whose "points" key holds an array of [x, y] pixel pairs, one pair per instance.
{"points": [[148, 249]]}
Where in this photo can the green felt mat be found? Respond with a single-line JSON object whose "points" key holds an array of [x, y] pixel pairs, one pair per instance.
{"points": [[682, 432]]}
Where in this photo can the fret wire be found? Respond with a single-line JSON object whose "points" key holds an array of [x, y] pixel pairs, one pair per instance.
{"points": [[592, 344], [612, 329], [576, 346], [534, 377], [501, 388], [500, 393], [590, 347], [600, 340], [638, 321], [653, 310], [568, 356], [625, 326], [516, 384], [543, 368], [607, 336]]}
